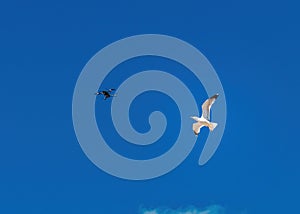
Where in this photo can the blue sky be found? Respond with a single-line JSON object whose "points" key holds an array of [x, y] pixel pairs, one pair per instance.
{"points": [[254, 48]]}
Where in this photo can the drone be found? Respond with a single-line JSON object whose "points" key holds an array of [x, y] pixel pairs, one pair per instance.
{"points": [[107, 93]]}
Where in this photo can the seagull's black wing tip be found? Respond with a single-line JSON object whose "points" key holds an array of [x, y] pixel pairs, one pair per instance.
{"points": [[215, 96]]}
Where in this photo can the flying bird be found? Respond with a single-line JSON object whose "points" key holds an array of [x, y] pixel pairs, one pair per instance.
{"points": [[106, 93], [204, 120]]}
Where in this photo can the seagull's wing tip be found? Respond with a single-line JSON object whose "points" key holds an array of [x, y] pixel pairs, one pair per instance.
{"points": [[215, 96]]}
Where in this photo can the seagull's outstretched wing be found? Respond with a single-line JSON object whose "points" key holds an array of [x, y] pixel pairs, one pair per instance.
{"points": [[197, 127], [207, 105]]}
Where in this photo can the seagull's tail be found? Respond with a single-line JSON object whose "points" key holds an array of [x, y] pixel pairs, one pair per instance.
{"points": [[212, 126]]}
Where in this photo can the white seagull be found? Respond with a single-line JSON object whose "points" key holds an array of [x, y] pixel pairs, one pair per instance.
{"points": [[204, 120]]}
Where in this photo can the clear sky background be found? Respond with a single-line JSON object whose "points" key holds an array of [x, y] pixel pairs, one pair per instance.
{"points": [[253, 46]]}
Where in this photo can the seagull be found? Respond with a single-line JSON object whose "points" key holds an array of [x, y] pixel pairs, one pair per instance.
{"points": [[106, 93], [204, 120]]}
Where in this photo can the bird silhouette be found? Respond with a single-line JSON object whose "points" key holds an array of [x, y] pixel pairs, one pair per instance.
{"points": [[106, 93], [204, 120]]}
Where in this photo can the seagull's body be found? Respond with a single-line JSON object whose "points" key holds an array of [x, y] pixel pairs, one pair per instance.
{"points": [[204, 120], [107, 93]]}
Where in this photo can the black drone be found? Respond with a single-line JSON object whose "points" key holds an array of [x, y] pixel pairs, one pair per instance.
{"points": [[107, 93]]}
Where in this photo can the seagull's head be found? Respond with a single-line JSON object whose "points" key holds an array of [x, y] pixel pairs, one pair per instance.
{"points": [[194, 118]]}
